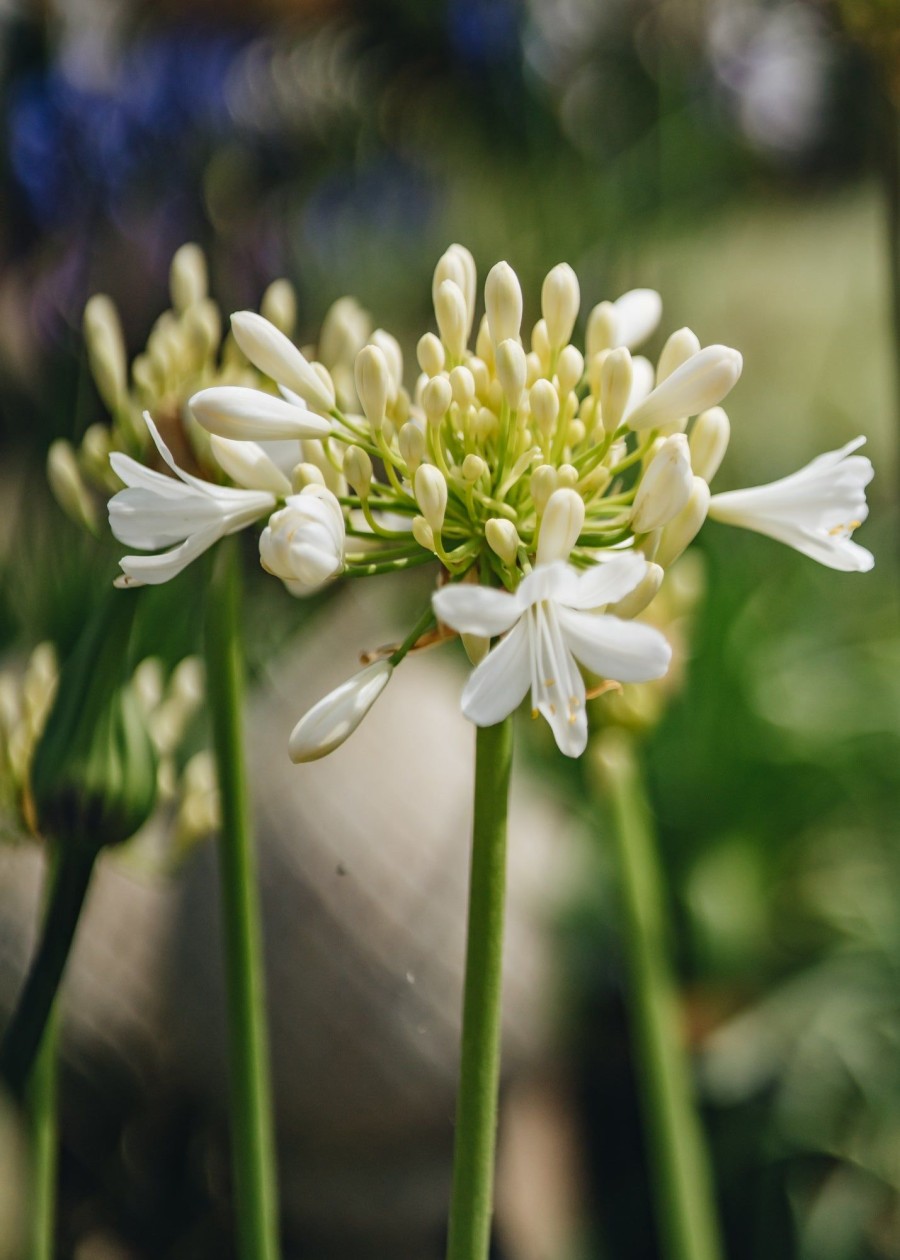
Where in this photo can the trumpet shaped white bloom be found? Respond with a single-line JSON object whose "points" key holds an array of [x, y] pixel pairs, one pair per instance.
{"points": [[337, 715], [156, 510], [814, 510], [303, 544], [549, 625]]}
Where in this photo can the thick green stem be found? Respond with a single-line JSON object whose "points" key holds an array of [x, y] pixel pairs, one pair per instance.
{"points": [[253, 1156], [43, 1143], [72, 875], [476, 1108], [685, 1202]]}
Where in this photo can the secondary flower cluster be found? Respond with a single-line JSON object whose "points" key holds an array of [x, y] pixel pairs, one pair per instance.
{"points": [[554, 487]]}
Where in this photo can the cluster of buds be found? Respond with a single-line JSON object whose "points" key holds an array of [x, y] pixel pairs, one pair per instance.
{"points": [[26, 698], [554, 487]]}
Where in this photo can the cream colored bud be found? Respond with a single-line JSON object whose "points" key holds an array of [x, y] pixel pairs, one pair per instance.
{"points": [[540, 341], [450, 266], [304, 475], [709, 442], [470, 284], [681, 346], [568, 476], [601, 329], [276, 356], [423, 533], [643, 594], [358, 470], [480, 376], [484, 347], [345, 329], [96, 446], [544, 402], [665, 487], [473, 468], [233, 411], [389, 346], [431, 354], [411, 440], [511, 370], [68, 486], [330, 722], [373, 384], [503, 303], [247, 464], [436, 398], [462, 385], [188, 281], [484, 425], [569, 368], [699, 383], [534, 368], [503, 539], [202, 324], [544, 480], [577, 432], [616, 380], [106, 349], [431, 495], [563, 521], [560, 300], [452, 318], [681, 532]]}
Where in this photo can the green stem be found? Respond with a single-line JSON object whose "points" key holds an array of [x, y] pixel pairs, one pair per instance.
{"points": [[476, 1107], [253, 1156], [43, 1146], [72, 875], [685, 1202]]}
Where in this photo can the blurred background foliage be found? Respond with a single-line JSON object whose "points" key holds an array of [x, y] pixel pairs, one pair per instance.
{"points": [[739, 156]]}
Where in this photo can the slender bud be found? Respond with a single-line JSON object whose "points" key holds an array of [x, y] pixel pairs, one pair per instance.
{"points": [[96, 447], [411, 440], [106, 349], [681, 532], [68, 486], [544, 480], [389, 346], [250, 415], [562, 523], [601, 329], [436, 398], [470, 280], [503, 539], [665, 487], [511, 370], [540, 341], [358, 471], [560, 299], [709, 442], [699, 383], [569, 368], [616, 381], [431, 355], [473, 468], [462, 384], [277, 357], [249, 465], [423, 533], [643, 594], [452, 317], [336, 717], [503, 303], [345, 329], [373, 384], [431, 495], [188, 282], [681, 346], [544, 402], [484, 347]]}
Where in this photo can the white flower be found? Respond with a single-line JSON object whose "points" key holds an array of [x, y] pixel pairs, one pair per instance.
{"points": [[156, 510], [550, 627], [334, 718], [814, 510], [303, 544], [276, 356]]}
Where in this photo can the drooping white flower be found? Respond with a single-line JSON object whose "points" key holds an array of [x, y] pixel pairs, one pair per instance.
{"points": [[337, 715], [156, 511], [549, 625], [814, 510], [242, 414], [303, 543]]}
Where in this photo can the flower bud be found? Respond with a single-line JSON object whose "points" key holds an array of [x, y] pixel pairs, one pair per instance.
{"points": [[484, 347], [452, 317], [303, 543], [436, 398], [562, 523], [470, 280], [665, 487], [503, 539], [462, 385], [503, 303], [637, 314], [423, 533], [431, 355], [709, 442], [511, 370], [681, 532], [345, 330], [250, 415], [106, 349], [643, 594], [373, 384], [305, 475], [336, 717], [616, 381], [601, 329], [411, 440], [188, 282], [681, 346], [389, 346], [358, 471], [700, 382], [473, 468], [569, 368], [540, 341], [568, 476], [249, 465], [544, 402], [276, 356], [431, 495], [68, 486], [544, 480], [560, 299]]}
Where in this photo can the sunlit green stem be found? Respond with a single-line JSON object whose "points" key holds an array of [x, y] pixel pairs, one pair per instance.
{"points": [[685, 1203], [476, 1107], [253, 1156], [43, 1146]]}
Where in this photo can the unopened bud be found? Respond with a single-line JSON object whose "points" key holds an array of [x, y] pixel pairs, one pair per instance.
{"points": [[373, 384], [436, 398], [106, 349], [389, 346], [473, 468], [462, 385], [568, 476], [681, 532], [358, 471], [452, 317], [277, 357], [681, 346], [700, 383], [563, 521], [511, 370], [665, 487], [188, 282], [643, 594], [484, 347], [423, 533], [569, 368], [430, 354], [709, 442], [560, 299], [503, 303], [544, 402], [544, 480], [431, 495], [503, 539], [411, 440], [601, 329], [305, 475], [345, 329], [616, 380], [330, 722], [68, 486]]}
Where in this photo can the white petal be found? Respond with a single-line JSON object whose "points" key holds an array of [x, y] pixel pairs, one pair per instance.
{"points": [[498, 685], [142, 518], [135, 474], [249, 465], [642, 379], [637, 315], [626, 651], [153, 570], [557, 688], [607, 582], [475, 609], [233, 411], [334, 718]]}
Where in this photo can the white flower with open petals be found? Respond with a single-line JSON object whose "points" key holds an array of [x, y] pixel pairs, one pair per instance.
{"points": [[156, 510], [549, 625], [814, 510]]}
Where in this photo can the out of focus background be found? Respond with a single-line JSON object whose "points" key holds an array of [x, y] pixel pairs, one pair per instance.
{"points": [[741, 156]]}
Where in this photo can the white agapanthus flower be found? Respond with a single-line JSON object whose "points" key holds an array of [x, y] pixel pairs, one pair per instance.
{"points": [[303, 543], [156, 510], [814, 510], [550, 625]]}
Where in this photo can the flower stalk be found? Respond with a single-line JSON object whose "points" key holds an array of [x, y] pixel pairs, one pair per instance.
{"points": [[476, 1109], [43, 1142], [687, 1222], [253, 1156]]}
